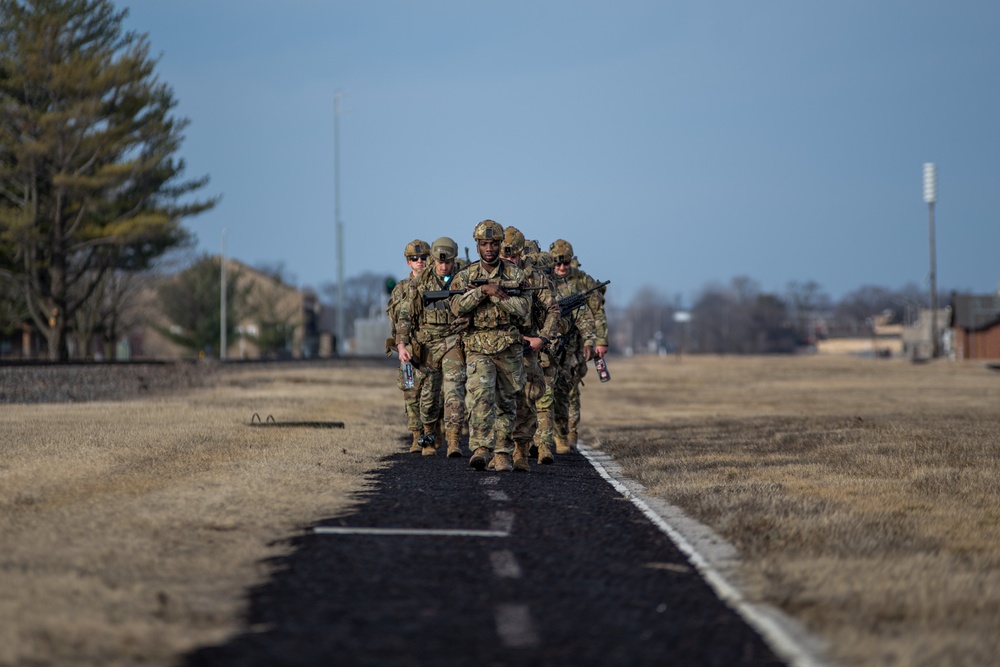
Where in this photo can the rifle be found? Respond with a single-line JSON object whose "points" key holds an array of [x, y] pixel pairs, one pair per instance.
{"points": [[431, 296], [570, 303]]}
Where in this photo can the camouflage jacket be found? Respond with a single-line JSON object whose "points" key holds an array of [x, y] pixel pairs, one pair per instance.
{"points": [[545, 318], [395, 299], [494, 324], [590, 321], [425, 321]]}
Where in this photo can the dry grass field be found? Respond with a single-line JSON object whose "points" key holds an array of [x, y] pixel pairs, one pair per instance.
{"points": [[862, 495], [131, 531]]}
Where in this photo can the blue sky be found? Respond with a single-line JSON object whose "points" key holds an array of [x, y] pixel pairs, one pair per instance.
{"points": [[674, 144]]}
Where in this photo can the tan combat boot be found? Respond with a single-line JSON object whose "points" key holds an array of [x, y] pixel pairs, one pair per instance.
{"points": [[454, 437], [427, 440], [562, 447], [479, 458], [545, 454], [571, 440], [521, 456], [415, 445], [502, 462]]}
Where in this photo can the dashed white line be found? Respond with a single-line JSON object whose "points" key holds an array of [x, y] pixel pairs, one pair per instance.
{"points": [[514, 626], [505, 565], [442, 532], [500, 496], [502, 521]]}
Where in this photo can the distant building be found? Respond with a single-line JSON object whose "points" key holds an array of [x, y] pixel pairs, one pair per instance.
{"points": [[299, 310], [917, 342], [976, 326]]}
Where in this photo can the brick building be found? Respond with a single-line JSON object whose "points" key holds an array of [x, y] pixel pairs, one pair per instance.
{"points": [[976, 326]]}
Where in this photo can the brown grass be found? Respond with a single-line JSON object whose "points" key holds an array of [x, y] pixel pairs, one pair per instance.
{"points": [[132, 530], [863, 495]]}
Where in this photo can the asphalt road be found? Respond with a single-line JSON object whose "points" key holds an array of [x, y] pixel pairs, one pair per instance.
{"points": [[442, 565]]}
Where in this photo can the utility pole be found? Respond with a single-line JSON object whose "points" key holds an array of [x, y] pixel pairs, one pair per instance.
{"points": [[222, 301], [930, 196], [339, 225]]}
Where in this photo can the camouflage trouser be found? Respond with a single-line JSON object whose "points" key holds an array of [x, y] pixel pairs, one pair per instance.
{"points": [[494, 381], [411, 398], [573, 411], [567, 382], [545, 405], [526, 422], [444, 366]]}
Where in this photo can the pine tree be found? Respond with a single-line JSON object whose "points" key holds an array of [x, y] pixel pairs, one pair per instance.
{"points": [[88, 179]]}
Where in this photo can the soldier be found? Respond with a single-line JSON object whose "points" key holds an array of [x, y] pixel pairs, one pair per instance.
{"points": [[433, 326], [541, 327], [585, 335], [493, 347], [416, 254]]}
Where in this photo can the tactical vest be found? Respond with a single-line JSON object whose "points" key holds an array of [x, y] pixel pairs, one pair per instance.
{"points": [[436, 313], [490, 315]]}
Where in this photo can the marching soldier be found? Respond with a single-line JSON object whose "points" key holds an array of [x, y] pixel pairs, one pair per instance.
{"points": [[541, 327], [585, 334], [493, 347], [416, 254], [433, 326]]}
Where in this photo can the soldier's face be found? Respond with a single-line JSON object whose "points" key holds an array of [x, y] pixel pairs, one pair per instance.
{"points": [[514, 259], [443, 267], [417, 262], [489, 250], [562, 269]]}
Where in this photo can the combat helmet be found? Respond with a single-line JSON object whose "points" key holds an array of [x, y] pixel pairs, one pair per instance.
{"points": [[416, 247], [488, 230], [561, 251], [531, 247], [513, 242], [444, 249]]}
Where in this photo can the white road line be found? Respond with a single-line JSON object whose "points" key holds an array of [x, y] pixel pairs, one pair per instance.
{"points": [[514, 626], [782, 633], [439, 532], [500, 496], [505, 565], [502, 521]]}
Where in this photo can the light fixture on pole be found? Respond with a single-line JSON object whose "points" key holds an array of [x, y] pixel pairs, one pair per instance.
{"points": [[930, 197]]}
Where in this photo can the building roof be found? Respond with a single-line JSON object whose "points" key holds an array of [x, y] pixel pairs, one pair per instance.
{"points": [[974, 312]]}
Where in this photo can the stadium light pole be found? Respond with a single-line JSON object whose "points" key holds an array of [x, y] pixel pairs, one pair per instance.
{"points": [[930, 197], [339, 347]]}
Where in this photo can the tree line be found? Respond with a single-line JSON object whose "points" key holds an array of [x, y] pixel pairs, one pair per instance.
{"points": [[740, 318]]}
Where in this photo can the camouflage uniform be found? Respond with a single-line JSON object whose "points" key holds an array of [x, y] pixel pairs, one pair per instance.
{"points": [[585, 327], [411, 396], [543, 323], [442, 360], [493, 351]]}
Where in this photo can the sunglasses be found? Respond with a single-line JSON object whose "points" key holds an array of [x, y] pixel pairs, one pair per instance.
{"points": [[418, 258], [562, 263]]}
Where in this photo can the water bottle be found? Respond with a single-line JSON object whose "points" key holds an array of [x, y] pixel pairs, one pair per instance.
{"points": [[602, 369], [407, 369]]}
